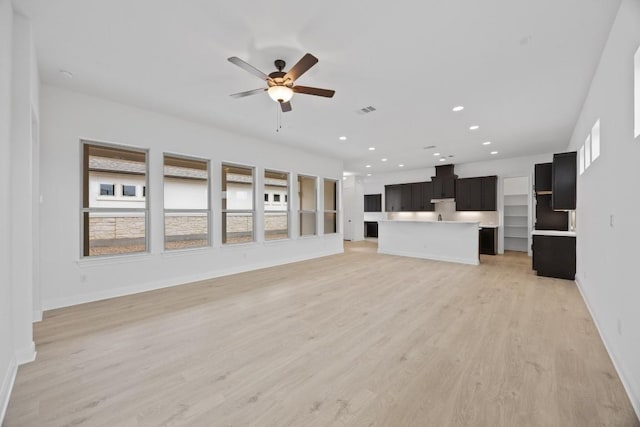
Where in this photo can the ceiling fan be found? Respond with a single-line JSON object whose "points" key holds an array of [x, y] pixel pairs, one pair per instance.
{"points": [[280, 85]]}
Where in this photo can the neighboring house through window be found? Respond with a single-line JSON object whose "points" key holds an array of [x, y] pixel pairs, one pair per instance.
{"points": [[276, 214], [112, 225]]}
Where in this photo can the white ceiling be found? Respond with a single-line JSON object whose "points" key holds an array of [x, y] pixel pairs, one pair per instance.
{"points": [[521, 68]]}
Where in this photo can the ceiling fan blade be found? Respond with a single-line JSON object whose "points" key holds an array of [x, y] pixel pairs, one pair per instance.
{"points": [[286, 106], [248, 68], [247, 93], [314, 91], [301, 67]]}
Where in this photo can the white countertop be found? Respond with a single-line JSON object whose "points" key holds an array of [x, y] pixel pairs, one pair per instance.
{"points": [[553, 233], [430, 222], [442, 222]]}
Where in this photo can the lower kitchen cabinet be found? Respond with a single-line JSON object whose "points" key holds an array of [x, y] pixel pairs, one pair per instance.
{"points": [[555, 256], [371, 229], [488, 241]]}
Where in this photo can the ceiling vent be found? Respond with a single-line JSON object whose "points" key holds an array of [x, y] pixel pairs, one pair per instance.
{"points": [[367, 110]]}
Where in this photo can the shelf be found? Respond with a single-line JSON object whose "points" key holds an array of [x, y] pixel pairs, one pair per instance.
{"points": [[516, 244], [516, 210], [516, 200]]}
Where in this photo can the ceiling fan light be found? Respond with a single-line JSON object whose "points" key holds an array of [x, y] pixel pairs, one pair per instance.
{"points": [[280, 93]]}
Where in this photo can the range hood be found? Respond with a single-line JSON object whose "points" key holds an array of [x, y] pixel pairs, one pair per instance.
{"points": [[444, 184]]}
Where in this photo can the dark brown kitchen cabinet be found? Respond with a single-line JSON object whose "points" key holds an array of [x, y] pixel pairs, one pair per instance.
{"points": [[547, 218], [488, 241], [405, 197], [564, 177], [476, 194], [417, 196], [555, 256], [373, 202], [427, 188], [370, 229], [444, 187], [392, 196], [543, 178]]}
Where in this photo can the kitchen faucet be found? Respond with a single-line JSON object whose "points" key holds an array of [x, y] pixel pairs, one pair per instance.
{"points": [[439, 217]]}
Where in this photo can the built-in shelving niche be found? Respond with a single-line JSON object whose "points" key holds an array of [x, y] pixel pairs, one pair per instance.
{"points": [[516, 214]]}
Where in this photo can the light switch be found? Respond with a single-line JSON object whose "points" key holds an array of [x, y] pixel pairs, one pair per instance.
{"points": [[611, 220]]}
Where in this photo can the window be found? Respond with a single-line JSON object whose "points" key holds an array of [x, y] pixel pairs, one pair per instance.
{"points": [[595, 141], [307, 204], [581, 160], [129, 190], [112, 226], [330, 206], [107, 189], [186, 202], [237, 204], [587, 152], [276, 215], [636, 80], [266, 197]]}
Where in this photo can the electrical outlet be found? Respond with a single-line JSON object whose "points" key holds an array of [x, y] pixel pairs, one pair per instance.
{"points": [[611, 220]]}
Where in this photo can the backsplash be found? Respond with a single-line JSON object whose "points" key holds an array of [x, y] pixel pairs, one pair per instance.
{"points": [[448, 211]]}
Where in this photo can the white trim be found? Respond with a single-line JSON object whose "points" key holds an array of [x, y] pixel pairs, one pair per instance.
{"points": [[431, 257], [118, 292], [635, 400], [7, 386], [26, 355]]}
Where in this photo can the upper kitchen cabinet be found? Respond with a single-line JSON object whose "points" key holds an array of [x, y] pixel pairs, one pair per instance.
{"points": [[543, 178], [373, 202], [417, 196], [564, 177], [444, 187], [406, 203], [392, 198], [427, 189], [477, 194]]}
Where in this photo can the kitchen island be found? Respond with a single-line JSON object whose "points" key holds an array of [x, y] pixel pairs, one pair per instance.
{"points": [[452, 241]]}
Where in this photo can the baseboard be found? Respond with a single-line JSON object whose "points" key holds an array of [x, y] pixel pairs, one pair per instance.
{"points": [[26, 355], [431, 257], [635, 400], [152, 286], [7, 386]]}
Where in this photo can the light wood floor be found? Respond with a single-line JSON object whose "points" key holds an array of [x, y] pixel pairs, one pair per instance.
{"points": [[356, 339]]}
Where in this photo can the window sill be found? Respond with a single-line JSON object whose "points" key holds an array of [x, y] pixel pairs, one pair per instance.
{"points": [[113, 259], [171, 253]]}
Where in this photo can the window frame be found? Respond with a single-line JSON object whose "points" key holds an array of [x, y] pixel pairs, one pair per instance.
{"points": [[334, 211], [223, 195], [84, 241], [286, 209], [301, 211], [207, 211]]}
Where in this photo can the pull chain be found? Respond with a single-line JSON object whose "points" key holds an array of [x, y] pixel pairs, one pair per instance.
{"points": [[278, 117]]}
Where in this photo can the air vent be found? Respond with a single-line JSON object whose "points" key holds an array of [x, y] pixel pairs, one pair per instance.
{"points": [[429, 147], [367, 110]]}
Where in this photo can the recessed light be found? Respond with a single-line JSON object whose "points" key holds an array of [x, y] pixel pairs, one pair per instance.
{"points": [[400, 165], [383, 160], [368, 174], [367, 166], [443, 159], [458, 108], [68, 74], [494, 152], [486, 143], [436, 154], [474, 127], [343, 138], [372, 148]]}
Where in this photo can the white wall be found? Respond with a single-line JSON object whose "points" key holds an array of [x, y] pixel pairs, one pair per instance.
{"points": [[503, 168], [7, 348], [18, 107], [607, 255], [66, 117]]}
